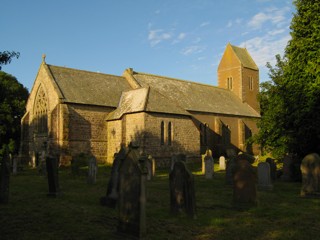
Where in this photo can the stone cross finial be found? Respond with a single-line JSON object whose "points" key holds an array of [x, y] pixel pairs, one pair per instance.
{"points": [[44, 58]]}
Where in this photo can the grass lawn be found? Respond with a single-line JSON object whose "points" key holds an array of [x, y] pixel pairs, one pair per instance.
{"points": [[77, 214]]}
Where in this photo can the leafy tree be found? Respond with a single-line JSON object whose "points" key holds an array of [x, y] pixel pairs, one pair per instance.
{"points": [[13, 98], [6, 57], [290, 102]]}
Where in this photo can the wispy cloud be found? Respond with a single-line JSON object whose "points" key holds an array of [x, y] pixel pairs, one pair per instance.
{"points": [[157, 36], [237, 21], [275, 16], [204, 24], [192, 50]]}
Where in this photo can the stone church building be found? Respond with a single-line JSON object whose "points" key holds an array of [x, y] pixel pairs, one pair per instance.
{"points": [[75, 111]]}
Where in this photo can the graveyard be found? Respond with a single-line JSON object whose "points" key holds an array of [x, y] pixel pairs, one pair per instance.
{"points": [[76, 213]]}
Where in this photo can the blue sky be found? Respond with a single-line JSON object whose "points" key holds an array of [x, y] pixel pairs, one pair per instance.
{"points": [[183, 39]]}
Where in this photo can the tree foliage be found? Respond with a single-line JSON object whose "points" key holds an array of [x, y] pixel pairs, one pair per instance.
{"points": [[13, 98], [6, 57], [290, 102]]}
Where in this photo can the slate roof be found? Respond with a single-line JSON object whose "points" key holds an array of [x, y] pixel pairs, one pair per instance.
{"points": [[244, 57], [193, 96], [145, 99], [157, 94], [84, 87]]}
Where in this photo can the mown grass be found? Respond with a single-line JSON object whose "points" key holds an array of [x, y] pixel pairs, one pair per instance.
{"points": [[77, 214]]}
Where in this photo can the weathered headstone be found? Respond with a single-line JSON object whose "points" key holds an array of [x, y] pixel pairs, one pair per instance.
{"points": [[310, 169], [151, 167], [182, 192], [222, 163], [273, 168], [209, 163], [177, 157], [264, 177], [288, 165], [112, 195], [5, 177], [203, 156], [132, 196], [231, 163], [92, 170], [244, 185], [52, 173]]}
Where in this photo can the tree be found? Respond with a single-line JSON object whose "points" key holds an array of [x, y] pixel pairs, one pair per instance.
{"points": [[290, 102], [13, 98], [6, 57]]}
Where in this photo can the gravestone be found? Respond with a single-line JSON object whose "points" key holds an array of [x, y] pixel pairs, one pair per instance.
{"points": [[244, 185], [231, 163], [132, 196], [264, 176], [5, 177], [231, 153], [112, 195], [151, 167], [177, 157], [222, 163], [92, 170], [288, 168], [42, 163], [273, 168], [203, 156], [310, 169], [209, 163], [52, 174], [182, 193]]}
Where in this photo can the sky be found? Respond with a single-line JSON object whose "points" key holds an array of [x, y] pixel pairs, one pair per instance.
{"points": [[182, 39]]}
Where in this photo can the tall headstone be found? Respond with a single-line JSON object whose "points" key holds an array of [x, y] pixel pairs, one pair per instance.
{"points": [[209, 163], [203, 156], [288, 168], [222, 163], [52, 174], [5, 177], [132, 196], [151, 167], [244, 185], [231, 163], [310, 169], [112, 195], [42, 163], [264, 176], [182, 193], [273, 168], [92, 170]]}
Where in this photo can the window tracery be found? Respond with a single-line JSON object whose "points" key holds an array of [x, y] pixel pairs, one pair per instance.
{"points": [[41, 111]]}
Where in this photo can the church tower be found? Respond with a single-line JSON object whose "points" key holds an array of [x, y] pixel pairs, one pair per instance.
{"points": [[238, 72]]}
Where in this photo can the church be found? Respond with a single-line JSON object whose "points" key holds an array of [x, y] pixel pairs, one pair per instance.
{"points": [[73, 111]]}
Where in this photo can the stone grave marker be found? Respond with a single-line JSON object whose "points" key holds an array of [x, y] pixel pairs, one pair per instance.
{"points": [[244, 185], [52, 174], [182, 192], [231, 153], [310, 169], [92, 170], [222, 163], [112, 195], [264, 176], [273, 168], [209, 163], [42, 163], [288, 168], [151, 167], [231, 163], [5, 177], [132, 196], [177, 157]]}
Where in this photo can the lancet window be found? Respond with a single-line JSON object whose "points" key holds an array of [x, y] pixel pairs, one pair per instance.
{"points": [[41, 111]]}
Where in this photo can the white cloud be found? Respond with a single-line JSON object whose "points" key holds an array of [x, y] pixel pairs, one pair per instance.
{"points": [[275, 16], [192, 50], [204, 24], [157, 36], [263, 49]]}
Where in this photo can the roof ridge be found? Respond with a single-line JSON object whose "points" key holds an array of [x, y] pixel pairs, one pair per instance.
{"points": [[81, 70], [177, 79]]}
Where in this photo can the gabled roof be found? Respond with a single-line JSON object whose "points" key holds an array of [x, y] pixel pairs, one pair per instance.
{"points": [[195, 97], [145, 99], [244, 57], [84, 87]]}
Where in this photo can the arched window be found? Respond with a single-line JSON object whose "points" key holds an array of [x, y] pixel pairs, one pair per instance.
{"points": [[169, 133], [41, 111], [162, 133]]}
